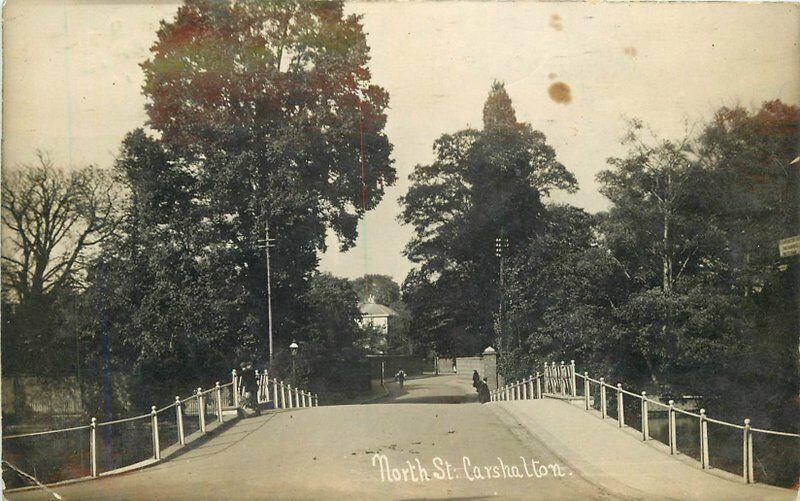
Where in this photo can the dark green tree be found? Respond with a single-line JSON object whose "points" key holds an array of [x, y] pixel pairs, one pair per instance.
{"points": [[483, 184]]}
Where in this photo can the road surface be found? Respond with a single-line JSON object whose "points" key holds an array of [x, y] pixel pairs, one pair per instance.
{"points": [[424, 445]]}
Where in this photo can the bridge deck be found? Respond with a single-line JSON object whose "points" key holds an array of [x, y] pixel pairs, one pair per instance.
{"points": [[327, 453]]}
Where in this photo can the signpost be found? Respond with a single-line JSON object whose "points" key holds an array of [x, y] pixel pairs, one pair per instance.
{"points": [[789, 246]]}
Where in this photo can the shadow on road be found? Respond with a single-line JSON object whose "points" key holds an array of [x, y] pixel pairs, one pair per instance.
{"points": [[434, 399]]}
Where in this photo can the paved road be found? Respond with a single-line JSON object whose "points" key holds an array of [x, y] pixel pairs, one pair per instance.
{"points": [[468, 450], [334, 452]]}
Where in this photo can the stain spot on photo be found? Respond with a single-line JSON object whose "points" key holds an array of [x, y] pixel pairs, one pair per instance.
{"points": [[560, 92], [555, 22]]}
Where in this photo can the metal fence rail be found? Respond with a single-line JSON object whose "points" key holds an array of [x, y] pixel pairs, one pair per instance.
{"points": [[634, 410], [103, 447]]}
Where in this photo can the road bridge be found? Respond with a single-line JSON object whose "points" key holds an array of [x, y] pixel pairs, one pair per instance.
{"points": [[433, 441]]}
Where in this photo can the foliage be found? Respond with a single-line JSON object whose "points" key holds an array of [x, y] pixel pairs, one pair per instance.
{"points": [[257, 112], [483, 184]]}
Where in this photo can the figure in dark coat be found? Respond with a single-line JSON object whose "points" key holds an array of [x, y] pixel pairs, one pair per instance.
{"points": [[250, 385], [476, 379], [483, 392]]}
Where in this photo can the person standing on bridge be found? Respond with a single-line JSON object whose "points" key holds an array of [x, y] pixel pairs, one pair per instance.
{"points": [[483, 391], [250, 386], [476, 380], [400, 377]]}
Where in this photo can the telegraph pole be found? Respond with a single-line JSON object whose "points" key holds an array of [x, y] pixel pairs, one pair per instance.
{"points": [[501, 248], [267, 244]]}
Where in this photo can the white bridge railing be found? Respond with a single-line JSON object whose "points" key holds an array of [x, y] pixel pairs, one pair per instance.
{"points": [[561, 381], [103, 448]]}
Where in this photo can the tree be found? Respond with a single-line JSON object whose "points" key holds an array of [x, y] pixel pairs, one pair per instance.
{"points": [[55, 218], [269, 110], [483, 184], [382, 288], [258, 110], [54, 221]]}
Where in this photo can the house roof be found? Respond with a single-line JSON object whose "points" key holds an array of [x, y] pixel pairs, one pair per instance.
{"points": [[376, 310]]}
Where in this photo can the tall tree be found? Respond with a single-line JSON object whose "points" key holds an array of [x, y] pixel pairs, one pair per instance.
{"points": [[484, 184], [266, 117], [54, 218]]}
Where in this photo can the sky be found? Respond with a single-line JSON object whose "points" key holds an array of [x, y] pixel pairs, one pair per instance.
{"points": [[72, 82]]}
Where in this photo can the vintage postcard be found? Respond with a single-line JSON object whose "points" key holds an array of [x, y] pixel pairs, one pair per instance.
{"points": [[290, 249]]}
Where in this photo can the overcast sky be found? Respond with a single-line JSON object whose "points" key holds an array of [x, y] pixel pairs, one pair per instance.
{"points": [[71, 81]]}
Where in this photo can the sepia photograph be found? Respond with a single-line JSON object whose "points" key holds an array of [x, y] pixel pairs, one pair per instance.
{"points": [[421, 249]]}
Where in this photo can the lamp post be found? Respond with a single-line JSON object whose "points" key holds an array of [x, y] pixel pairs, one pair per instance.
{"points": [[500, 250], [293, 349]]}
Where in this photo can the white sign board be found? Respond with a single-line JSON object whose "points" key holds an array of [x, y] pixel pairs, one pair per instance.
{"points": [[789, 246]]}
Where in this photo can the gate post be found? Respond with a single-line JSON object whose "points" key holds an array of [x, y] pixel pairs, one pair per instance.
{"points": [[586, 389], [179, 420], [93, 446], [673, 443], [489, 359], [645, 418], [572, 378], [218, 395], [235, 388], [156, 445], [602, 398], [704, 461], [747, 453], [201, 410]]}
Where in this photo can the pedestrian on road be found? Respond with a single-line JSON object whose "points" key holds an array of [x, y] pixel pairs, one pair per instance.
{"points": [[400, 377], [476, 379], [483, 392], [250, 386]]}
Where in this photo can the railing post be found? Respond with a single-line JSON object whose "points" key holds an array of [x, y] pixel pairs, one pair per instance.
{"points": [[283, 396], [201, 410], [673, 439], [218, 393], [562, 379], [235, 389], [545, 377], [289, 391], [603, 406], [747, 453], [572, 378], [645, 418], [296, 396], [179, 420], [586, 390], [274, 393], [620, 406], [156, 445], [538, 386], [93, 447], [704, 461]]}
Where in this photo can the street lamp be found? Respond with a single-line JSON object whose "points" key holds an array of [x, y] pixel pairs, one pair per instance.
{"points": [[293, 349]]}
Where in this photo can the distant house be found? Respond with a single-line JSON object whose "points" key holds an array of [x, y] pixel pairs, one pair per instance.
{"points": [[376, 315]]}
